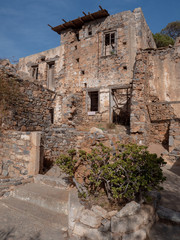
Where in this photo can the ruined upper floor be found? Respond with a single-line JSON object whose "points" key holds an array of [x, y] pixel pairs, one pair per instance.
{"points": [[97, 53]]}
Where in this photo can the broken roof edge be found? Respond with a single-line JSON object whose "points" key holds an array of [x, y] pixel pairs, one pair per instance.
{"points": [[80, 21]]}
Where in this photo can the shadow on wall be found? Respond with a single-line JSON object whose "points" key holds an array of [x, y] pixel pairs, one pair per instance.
{"points": [[9, 234]]}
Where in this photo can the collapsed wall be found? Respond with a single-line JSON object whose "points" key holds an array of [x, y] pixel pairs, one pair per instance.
{"points": [[155, 97]]}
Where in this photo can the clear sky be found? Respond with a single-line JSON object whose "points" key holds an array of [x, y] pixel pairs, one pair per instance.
{"points": [[23, 23]]}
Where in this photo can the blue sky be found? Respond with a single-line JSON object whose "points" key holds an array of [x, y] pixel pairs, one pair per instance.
{"points": [[23, 23]]}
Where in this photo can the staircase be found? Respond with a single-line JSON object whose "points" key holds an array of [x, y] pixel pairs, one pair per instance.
{"points": [[44, 201]]}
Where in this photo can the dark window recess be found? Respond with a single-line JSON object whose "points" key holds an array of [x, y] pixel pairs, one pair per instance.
{"points": [[77, 36], [51, 111], [82, 72], [75, 47], [94, 99], [35, 72], [112, 38], [125, 67], [77, 60], [109, 38], [90, 33]]}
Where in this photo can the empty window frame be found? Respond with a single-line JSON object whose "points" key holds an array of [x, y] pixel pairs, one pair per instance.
{"points": [[90, 31], [93, 101], [110, 43], [34, 71], [50, 75]]}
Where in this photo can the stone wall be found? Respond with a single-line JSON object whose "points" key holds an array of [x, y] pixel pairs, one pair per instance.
{"points": [[19, 155], [174, 138], [42, 61], [132, 222], [31, 108], [155, 96], [59, 139]]}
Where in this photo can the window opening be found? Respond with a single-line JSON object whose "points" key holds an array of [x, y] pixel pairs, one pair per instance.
{"points": [[50, 75], [110, 43], [35, 72], [77, 36], [94, 101], [125, 67], [51, 111]]}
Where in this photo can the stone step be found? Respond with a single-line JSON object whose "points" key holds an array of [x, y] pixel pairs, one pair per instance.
{"points": [[45, 216], [51, 181], [163, 231], [168, 215], [44, 196]]}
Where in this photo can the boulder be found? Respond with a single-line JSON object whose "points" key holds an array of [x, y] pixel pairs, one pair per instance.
{"points": [[96, 130], [129, 209], [90, 233]]}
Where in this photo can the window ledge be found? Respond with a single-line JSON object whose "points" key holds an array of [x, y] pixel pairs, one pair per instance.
{"points": [[110, 55]]}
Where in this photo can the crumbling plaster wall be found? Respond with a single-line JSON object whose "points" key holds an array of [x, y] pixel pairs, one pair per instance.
{"points": [[165, 80], [102, 70], [42, 59], [88, 68]]}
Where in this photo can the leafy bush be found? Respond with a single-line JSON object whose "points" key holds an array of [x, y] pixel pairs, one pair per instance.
{"points": [[125, 174], [162, 40]]}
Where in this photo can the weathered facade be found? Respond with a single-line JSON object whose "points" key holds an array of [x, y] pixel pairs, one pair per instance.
{"points": [[106, 70], [95, 58]]}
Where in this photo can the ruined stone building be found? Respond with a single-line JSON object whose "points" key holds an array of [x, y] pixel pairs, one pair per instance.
{"points": [[107, 70]]}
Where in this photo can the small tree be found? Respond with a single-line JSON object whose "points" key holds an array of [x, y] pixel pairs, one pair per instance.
{"points": [[172, 30], [126, 174]]}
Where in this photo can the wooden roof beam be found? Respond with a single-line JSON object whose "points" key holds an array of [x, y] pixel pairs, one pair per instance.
{"points": [[73, 23], [91, 16], [84, 13], [100, 7], [64, 20], [50, 26], [80, 19]]}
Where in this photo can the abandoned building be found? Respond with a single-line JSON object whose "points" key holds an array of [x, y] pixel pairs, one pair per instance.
{"points": [[107, 71]]}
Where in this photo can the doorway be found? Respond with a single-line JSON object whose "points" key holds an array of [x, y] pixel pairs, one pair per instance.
{"points": [[120, 105]]}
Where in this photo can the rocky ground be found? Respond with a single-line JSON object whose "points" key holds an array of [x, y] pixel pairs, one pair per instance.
{"points": [[168, 226]]}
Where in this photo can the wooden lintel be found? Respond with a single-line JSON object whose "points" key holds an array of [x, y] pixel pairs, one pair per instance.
{"points": [[50, 26], [84, 13], [157, 103], [64, 20]]}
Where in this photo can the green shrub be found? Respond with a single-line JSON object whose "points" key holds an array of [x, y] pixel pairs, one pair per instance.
{"points": [[125, 174]]}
